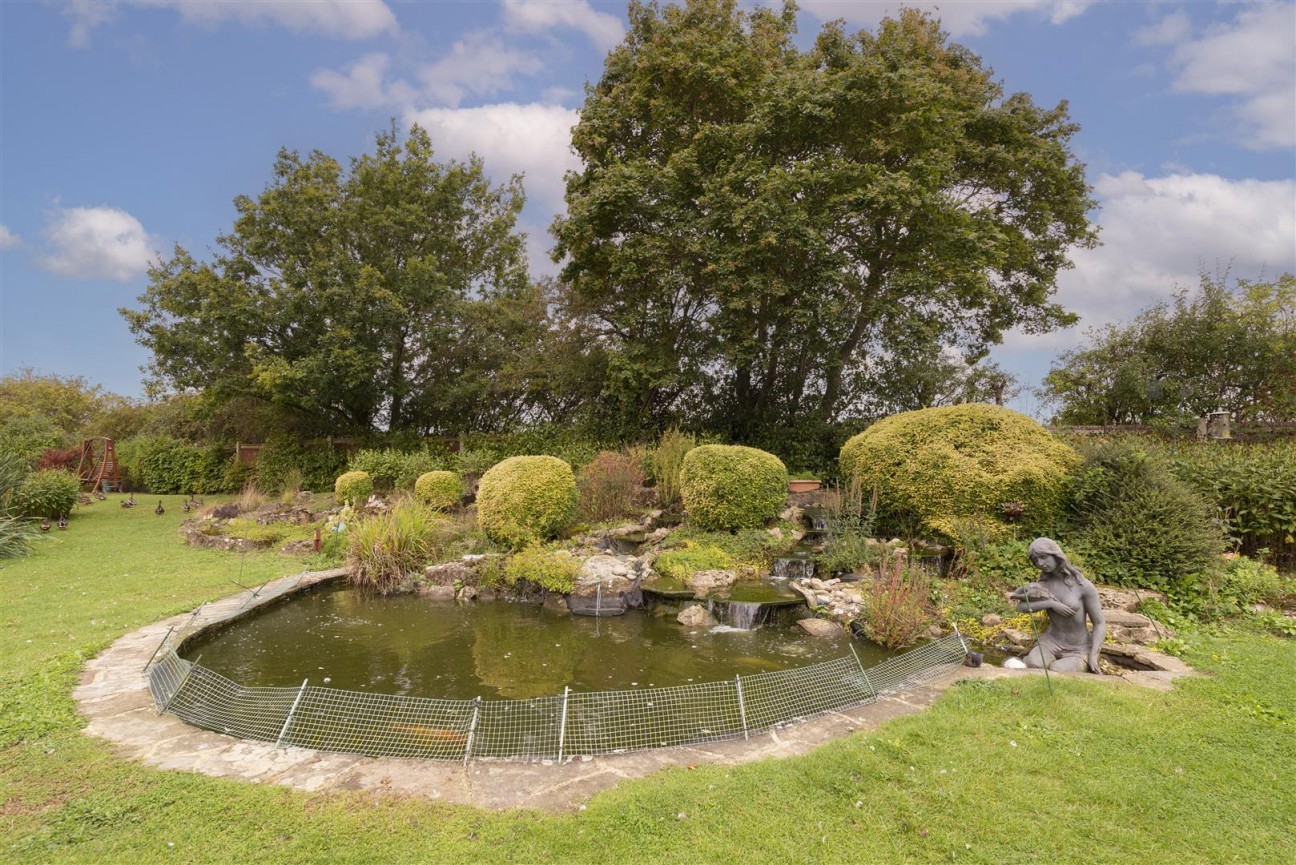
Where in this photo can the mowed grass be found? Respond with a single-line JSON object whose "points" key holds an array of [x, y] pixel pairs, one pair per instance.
{"points": [[995, 772]]}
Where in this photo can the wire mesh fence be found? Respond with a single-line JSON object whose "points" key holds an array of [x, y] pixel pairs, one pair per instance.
{"points": [[541, 728]]}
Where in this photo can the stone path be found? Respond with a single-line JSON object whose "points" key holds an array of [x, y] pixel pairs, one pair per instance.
{"points": [[114, 698]]}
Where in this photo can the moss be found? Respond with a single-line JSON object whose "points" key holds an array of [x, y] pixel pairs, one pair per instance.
{"points": [[353, 488], [933, 467], [727, 487], [549, 570], [438, 490], [526, 499]]}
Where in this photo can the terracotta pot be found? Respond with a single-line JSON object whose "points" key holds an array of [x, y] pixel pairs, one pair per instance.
{"points": [[803, 486]]}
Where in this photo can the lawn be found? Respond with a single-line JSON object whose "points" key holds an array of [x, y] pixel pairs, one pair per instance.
{"points": [[995, 772]]}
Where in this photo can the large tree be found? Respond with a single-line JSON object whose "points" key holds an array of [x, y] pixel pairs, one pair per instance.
{"points": [[391, 294], [754, 223], [1218, 348]]}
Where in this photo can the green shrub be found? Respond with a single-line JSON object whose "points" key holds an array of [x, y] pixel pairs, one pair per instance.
{"points": [[474, 463], [438, 490], [26, 438], [1240, 584], [47, 493], [755, 547], [667, 460], [318, 462], [549, 570], [933, 466], [382, 466], [525, 499], [895, 605], [16, 534], [352, 488], [729, 487], [683, 563], [167, 466], [1138, 526], [609, 486], [385, 552]]}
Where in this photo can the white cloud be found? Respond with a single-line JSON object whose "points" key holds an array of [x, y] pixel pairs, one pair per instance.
{"points": [[532, 139], [480, 65], [537, 16], [9, 240], [96, 243], [364, 85], [1173, 28], [969, 18], [1160, 232], [343, 19], [1254, 59]]}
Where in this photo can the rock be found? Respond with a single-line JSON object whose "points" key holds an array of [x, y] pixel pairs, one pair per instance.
{"points": [[556, 602], [822, 600], [448, 574], [1112, 598], [776, 533], [820, 627], [468, 593], [792, 514], [604, 575], [804, 592], [935, 632], [1017, 638], [1014, 664], [1123, 627], [695, 616], [704, 582], [816, 584], [437, 592], [990, 620], [656, 536]]}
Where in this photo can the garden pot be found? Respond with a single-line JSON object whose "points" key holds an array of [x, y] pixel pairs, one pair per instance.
{"points": [[803, 486]]}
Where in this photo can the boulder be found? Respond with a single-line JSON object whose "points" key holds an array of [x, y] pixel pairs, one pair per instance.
{"points": [[1112, 598], [990, 620], [556, 602], [1018, 638], [468, 593], [695, 616], [448, 573], [1123, 627], [704, 582], [437, 592], [820, 627], [605, 575]]}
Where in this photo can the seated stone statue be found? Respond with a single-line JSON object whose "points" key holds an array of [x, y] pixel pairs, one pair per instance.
{"points": [[1063, 592]]}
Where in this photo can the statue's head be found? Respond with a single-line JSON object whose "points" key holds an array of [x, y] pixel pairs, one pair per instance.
{"points": [[1042, 549]]}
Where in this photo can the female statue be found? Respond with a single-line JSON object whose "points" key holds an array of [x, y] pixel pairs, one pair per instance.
{"points": [[1066, 644]]}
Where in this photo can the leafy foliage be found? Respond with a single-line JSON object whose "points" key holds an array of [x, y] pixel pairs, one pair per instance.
{"points": [[352, 488], [730, 487], [895, 605], [386, 550], [391, 468], [167, 465], [318, 462], [680, 564], [46, 493], [390, 294], [551, 570], [438, 490], [525, 499], [755, 225], [609, 486], [1217, 348], [935, 466], [667, 460], [1138, 526]]}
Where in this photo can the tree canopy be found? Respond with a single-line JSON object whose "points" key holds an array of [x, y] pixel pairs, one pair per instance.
{"points": [[390, 294], [1215, 349], [756, 228]]}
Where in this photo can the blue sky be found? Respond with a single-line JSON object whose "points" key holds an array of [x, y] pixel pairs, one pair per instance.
{"points": [[127, 127]]}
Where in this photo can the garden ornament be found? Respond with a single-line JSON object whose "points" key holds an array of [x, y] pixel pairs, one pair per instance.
{"points": [[1067, 645]]}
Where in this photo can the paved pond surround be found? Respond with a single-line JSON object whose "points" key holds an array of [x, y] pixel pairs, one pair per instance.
{"points": [[114, 698]]}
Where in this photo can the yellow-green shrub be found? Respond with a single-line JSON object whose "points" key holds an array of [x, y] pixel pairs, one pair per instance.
{"points": [[729, 487], [526, 499], [684, 563], [353, 488], [553, 571], [936, 467], [438, 490]]}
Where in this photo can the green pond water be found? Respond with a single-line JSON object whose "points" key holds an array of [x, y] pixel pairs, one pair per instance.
{"points": [[340, 638]]}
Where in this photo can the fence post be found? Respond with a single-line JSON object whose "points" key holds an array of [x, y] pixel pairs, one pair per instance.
{"points": [[742, 707], [159, 648], [562, 725], [472, 730], [283, 731], [963, 642], [863, 672]]}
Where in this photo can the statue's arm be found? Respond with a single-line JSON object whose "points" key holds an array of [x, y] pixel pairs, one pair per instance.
{"points": [[1093, 607], [1045, 604]]}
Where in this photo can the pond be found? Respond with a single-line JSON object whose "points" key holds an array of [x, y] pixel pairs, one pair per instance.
{"points": [[408, 645]]}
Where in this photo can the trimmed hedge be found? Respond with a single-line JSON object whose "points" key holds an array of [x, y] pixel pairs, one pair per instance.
{"points": [[934, 467], [727, 487], [353, 488], [168, 465], [525, 499], [438, 490]]}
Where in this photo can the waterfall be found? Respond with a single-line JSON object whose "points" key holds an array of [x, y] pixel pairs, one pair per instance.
{"points": [[737, 615], [794, 568]]}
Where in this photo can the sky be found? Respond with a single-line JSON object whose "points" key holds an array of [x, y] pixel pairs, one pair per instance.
{"points": [[128, 127]]}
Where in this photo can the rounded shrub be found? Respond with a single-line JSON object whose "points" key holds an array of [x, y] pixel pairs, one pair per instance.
{"points": [[727, 487], [439, 490], [526, 499], [935, 468], [47, 493], [353, 488]]}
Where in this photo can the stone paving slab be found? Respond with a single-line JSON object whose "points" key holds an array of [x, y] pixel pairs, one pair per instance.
{"points": [[114, 697]]}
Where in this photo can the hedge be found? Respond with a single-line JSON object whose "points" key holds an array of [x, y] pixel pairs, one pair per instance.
{"points": [[727, 487], [525, 499], [438, 490], [353, 488]]}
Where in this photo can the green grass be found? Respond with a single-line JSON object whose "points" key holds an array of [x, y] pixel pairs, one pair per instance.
{"points": [[994, 772]]}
